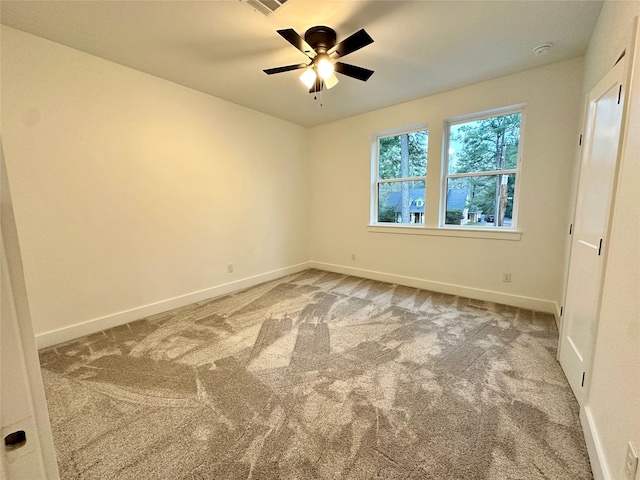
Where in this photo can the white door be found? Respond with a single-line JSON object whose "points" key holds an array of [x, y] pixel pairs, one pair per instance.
{"points": [[590, 228], [27, 450]]}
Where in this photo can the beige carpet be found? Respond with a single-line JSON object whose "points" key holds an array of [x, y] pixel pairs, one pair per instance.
{"points": [[318, 375]]}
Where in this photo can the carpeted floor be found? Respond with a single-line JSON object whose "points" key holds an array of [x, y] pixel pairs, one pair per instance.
{"points": [[318, 375]]}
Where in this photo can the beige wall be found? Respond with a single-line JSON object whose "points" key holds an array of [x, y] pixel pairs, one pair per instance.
{"points": [[612, 34], [131, 190], [614, 399], [341, 175]]}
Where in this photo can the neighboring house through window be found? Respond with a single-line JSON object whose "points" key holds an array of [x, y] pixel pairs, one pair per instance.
{"points": [[482, 164], [480, 169], [456, 200], [400, 176]]}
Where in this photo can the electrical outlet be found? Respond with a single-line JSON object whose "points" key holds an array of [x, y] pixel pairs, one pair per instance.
{"points": [[353, 256], [630, 462], [229, 267], [506, 277]]}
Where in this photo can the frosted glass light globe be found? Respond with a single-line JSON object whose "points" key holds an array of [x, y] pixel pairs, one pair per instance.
{"points": [[325, 68], [308, 77]]}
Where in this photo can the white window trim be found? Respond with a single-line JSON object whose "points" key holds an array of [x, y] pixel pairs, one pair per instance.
{"points": [[375, 177], [453, 231], [520, 108]]}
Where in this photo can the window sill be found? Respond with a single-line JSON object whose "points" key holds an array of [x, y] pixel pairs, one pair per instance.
{"points": [[446, 232]]}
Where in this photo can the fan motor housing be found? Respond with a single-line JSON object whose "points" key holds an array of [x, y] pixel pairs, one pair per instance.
{"points": [[321, 38]]}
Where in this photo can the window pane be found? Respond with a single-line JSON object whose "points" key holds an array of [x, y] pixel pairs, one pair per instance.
{"points": [[403, 156], [474, 201], [484, 145], [401, 202]]}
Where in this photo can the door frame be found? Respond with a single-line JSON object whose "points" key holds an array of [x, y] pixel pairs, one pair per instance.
{"points": [[626, 56], [21, 385]]}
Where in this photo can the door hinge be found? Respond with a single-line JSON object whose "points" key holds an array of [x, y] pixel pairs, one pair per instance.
{"points": [[570, 229], [580, 141], [583, 374], [619, 93], [600, 247], [561, 310]]}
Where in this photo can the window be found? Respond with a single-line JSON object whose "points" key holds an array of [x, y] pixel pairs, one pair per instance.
{"points": [[400, 177], [481, 170], [478, 178]]}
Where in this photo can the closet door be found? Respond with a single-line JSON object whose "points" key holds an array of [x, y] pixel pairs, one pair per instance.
{"points": [[591, 228]]}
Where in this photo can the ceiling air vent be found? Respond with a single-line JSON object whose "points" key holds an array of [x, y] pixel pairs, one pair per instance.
{"points": [[266, 6]]}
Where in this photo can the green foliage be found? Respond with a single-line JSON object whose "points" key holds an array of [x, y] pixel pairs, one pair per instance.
{"points": [[485, 145], [387, 214], [453, 217], [400, 156], [389, 155]]}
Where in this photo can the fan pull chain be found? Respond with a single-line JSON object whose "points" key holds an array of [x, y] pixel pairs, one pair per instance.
{"points": [[315, 95]]}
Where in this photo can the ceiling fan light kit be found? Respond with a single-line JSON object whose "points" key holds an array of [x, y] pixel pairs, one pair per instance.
{"points": [[331, 82], [324, 66], [308, 77], [319, 45]]}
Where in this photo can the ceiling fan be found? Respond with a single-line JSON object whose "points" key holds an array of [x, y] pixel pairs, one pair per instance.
{"points": [[319, 44]]}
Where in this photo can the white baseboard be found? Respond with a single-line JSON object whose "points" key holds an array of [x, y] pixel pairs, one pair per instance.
{"points": [[54, 337], [519, 301], [594, 447]]}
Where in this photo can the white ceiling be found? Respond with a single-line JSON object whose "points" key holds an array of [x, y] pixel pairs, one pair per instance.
{"points": [[221, 47]]}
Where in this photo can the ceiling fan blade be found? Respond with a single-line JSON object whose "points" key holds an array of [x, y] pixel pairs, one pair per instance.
{"points": [[291, 36], [271, 71], [353, 71], [350, 44]]}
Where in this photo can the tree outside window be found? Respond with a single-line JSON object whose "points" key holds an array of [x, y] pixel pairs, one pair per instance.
{"points": [[482, 167], [401, 177]]}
